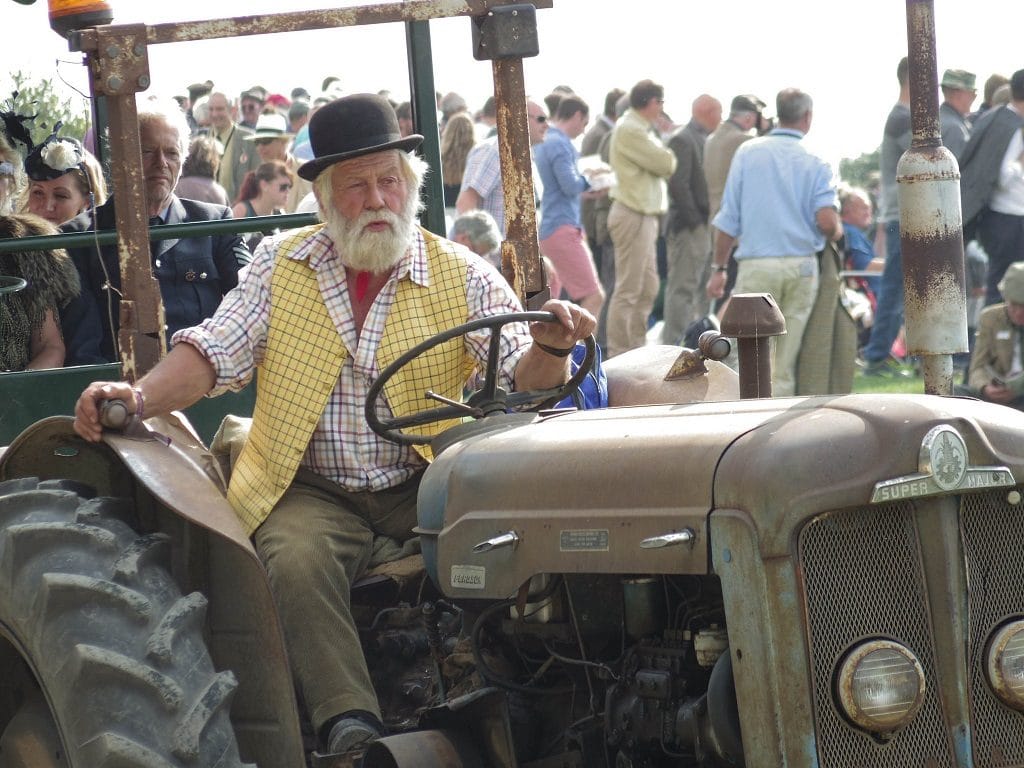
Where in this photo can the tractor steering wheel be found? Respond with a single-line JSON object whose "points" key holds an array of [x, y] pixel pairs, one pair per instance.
{"points": [[487, 400]]}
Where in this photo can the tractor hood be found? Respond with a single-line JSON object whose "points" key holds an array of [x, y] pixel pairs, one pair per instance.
{"points": [[831, 453], [629, 490], [577, 493]]}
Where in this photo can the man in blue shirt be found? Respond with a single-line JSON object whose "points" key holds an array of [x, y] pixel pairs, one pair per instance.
{"points": [[780, 203], [561, 228]]}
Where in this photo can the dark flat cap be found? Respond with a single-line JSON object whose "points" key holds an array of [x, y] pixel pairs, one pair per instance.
{"points": [[746, 103]]}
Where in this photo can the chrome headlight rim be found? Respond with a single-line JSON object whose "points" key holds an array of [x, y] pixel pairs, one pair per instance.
{"points": [[1008, 635], [847, 700]]}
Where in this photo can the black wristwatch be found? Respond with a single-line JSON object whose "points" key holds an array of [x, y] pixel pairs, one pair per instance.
{"points": [[554, 351]]}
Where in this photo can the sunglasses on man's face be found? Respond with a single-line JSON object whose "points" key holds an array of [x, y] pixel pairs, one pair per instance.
{"points": [[264, 142]]}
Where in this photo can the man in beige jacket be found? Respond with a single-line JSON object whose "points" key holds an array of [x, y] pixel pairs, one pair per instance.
{"points": [[997, 362], [641, 164], [238, 157]]}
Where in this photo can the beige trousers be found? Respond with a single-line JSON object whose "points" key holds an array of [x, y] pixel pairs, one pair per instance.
{"points": [[635, 238], [793, 283]]}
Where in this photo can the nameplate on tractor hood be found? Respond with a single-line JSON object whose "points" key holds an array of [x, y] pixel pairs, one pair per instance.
{"points": [[944, 468]]}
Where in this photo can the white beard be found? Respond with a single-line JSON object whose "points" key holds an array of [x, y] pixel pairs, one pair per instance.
{"points": [[367, 251]]}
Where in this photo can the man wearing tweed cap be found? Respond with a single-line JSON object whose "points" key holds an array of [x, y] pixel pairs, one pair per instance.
{"points": [[958, 93]]}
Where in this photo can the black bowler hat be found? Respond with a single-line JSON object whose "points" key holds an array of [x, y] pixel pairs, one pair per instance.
{"points": [[350, 127]]}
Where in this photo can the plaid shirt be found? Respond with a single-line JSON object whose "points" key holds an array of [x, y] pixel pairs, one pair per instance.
{"points": [[483, 174], [343, 447]]}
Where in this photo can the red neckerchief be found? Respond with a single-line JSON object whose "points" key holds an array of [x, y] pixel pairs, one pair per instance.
{"points": [[362, 284]]}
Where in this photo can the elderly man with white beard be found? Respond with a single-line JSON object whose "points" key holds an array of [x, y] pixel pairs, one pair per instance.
{"points": [[319, 313]]}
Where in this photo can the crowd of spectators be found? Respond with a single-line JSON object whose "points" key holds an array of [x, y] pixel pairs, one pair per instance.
{"points": [[629, 202]]}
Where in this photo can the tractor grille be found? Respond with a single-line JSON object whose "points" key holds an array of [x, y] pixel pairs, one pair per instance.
{"points": [[863, 579], [992, 533]]}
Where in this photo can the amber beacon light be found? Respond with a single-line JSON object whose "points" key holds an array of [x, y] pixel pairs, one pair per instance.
{"points": [[68, 15]]}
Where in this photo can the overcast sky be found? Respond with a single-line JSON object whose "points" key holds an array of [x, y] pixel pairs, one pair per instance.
{"points": [[845, 56]]}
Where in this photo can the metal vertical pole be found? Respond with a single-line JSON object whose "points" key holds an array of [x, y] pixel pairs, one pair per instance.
{"points": [[931, 225], [424, 115], [119, 67], [100, 124], [520, 251]]}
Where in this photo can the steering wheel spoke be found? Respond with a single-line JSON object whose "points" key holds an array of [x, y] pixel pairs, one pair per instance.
{"points": [[429, 417]]}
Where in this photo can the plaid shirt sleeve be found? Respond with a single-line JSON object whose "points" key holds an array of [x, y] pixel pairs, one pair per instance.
{"points": [[235, 338], [489, 294]]}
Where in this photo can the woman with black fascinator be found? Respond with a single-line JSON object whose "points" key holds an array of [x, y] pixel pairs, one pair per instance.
{"points": [[64, 179]]}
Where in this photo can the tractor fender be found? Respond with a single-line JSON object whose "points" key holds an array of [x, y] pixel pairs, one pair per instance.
{"points": [[166, 457]]}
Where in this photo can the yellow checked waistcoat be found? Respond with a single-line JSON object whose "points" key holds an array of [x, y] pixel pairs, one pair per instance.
{"points": [[305, 354]]}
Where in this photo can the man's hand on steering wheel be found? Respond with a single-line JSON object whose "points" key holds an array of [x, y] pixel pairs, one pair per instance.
{"points": [[574, 324], [541, 368]]}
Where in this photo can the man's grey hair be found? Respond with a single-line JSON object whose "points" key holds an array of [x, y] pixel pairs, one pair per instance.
{"points": [[791, 105], [480, 228], [847, 193], [152, 110], [414, 168]]}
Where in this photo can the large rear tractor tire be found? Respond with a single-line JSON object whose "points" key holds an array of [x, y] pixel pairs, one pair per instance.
{"points": [[117, 651]]}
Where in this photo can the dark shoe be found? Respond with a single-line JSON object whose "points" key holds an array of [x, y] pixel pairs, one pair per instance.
{"points": [[885, 369], [349, 734]]}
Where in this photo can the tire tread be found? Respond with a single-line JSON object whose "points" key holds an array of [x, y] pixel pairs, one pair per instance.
{"points": [[118, 651]]}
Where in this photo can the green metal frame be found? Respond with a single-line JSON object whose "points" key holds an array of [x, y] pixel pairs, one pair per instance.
{"points": [[424, 114], [161, 232], [29, 396], [32, 395]]}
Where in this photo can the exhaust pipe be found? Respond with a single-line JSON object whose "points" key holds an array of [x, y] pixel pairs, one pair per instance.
{"points": [[931, 224], [752, 319]]}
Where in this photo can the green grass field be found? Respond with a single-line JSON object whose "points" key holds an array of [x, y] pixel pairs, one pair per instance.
{"points": [[867, 384], [913, 384]]}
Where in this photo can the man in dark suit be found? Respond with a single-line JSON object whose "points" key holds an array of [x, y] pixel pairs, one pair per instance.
{"points": [[193, 273], [992, 186], [687, 237]]}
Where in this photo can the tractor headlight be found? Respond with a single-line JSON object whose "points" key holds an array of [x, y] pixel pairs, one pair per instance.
{"points": [[1004, 663], [880, 686]]}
